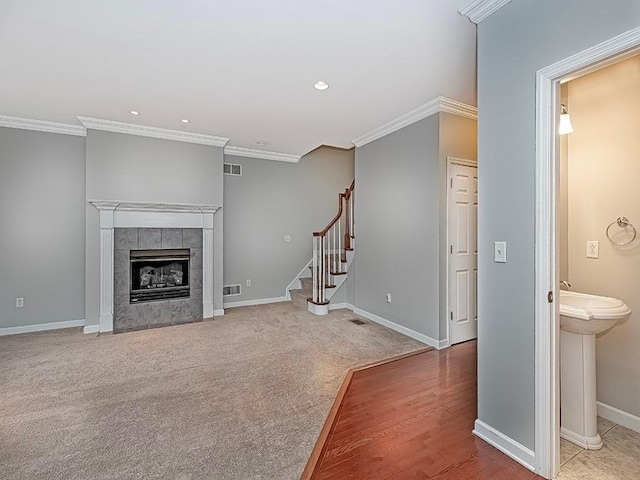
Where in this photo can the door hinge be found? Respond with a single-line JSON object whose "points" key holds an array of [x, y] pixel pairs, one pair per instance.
{"points": [[451, 316], [451, 183], [550, 297], [450, 249]]}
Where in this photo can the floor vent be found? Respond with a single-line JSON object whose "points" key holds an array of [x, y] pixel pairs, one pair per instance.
{"points": [[357, 321], [232, 169], [229, 290]]}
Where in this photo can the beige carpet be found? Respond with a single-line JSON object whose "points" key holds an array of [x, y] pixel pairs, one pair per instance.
{"points": [[243, 396]]}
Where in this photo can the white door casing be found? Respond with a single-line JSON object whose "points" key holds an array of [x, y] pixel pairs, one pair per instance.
{"points": [[462, 235], [547, 401]]}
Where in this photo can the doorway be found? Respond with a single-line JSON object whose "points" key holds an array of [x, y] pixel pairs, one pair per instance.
{"points": [[547, 400], [462, 258]]}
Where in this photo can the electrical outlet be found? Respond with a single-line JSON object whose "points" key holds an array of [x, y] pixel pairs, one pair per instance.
{"points": [[593, 249], [287, 238], [19, 302], [249, 283], [388, 298]]}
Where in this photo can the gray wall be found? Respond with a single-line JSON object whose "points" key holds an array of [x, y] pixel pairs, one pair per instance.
{"points": [[401, 205], [131, 168], [270, 200], [350, 284], [513, 43], [42, 197], [603, 178], [397, 226]]}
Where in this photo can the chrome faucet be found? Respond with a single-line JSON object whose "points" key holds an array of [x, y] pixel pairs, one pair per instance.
{"points": [[565, 284]]}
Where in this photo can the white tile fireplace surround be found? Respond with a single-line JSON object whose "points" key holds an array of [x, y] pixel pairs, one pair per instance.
{"points": [[151, 215]]}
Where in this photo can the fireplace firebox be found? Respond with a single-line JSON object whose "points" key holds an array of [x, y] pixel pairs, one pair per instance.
{"points": [[159, 274]]}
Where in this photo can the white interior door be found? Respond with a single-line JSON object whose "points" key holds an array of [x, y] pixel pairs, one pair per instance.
{"points": [[462, 227]]}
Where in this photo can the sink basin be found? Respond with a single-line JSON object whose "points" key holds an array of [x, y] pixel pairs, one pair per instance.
{"points": [[590, 314], [582, 317]]}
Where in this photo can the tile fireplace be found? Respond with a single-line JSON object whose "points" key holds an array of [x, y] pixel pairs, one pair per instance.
{"points": [[138, 291]]}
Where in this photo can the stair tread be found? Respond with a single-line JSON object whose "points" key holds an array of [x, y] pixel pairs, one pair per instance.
{"points": [[300, 291]]}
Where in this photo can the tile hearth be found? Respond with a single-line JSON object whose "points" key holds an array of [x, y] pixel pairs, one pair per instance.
{"points": [[160, 313]]}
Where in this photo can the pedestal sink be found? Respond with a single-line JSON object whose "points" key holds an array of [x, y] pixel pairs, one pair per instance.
{"points": [[582, 317]]}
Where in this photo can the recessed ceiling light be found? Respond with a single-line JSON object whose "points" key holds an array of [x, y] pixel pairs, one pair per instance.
{"points": [[184, 120], [262, 143], [321, 85], [133, 112]]}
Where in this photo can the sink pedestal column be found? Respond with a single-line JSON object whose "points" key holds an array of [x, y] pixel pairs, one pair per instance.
{"points": [[578, 410]]}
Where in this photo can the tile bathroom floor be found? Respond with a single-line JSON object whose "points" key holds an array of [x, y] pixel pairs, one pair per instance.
{"points": [[618, 459]]}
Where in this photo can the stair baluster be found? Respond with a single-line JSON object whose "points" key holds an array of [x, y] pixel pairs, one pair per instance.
{"points": [[330, 245]]}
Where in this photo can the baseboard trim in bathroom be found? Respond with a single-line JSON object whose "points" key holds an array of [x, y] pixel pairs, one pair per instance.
{"points": [[618, 416]]}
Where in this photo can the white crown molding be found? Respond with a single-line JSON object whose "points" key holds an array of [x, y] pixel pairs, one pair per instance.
{"points": [[263, 154], [42, 126], [478, 10], [437, 105], [454, 107], [153, 132]]}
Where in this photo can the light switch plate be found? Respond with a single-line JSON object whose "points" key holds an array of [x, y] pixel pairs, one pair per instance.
{"points": [[500, 252], [593, 249]]}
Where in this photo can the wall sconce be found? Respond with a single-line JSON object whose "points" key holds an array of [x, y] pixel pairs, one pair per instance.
{"points": [[565, 121]]}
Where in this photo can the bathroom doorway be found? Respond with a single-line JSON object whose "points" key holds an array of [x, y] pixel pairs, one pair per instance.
{"points": [[599, 262], [547, 255]]}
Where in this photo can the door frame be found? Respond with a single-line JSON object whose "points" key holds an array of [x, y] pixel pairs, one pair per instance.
{"points": [[450, 162], [546, 315]]}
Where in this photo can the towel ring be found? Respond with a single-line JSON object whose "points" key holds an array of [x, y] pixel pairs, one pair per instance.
{"points": [[622, 222]]}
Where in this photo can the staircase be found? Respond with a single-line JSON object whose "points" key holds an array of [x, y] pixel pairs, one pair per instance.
{"points": [[333, 252]]}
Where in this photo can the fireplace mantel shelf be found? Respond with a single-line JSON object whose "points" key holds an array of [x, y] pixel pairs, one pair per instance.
{"points": [[110, 205]]}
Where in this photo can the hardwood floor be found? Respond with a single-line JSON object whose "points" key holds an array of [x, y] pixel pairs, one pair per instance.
{"points": [[411, 418]]}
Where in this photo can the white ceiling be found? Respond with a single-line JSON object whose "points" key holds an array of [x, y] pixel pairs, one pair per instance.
{"points": [[242, 69]]}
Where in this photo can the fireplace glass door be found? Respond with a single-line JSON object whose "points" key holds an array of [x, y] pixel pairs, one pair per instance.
{"points": [[159, 274]]}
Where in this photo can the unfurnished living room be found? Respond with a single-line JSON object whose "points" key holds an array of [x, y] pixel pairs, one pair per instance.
{"points": [[319, 240]]}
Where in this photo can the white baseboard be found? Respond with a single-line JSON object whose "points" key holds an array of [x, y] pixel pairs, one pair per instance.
{"points": [[618, 416], [432, 342], [219, 312], [506, 445], [89, 329], [40, 327], [258, 301], [338, 306]]}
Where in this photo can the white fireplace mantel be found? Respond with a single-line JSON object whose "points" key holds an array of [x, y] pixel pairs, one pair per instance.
{"points": [[115, 214]]}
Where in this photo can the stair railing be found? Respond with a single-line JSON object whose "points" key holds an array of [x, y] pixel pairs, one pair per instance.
{"points": [[330, 247]]}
